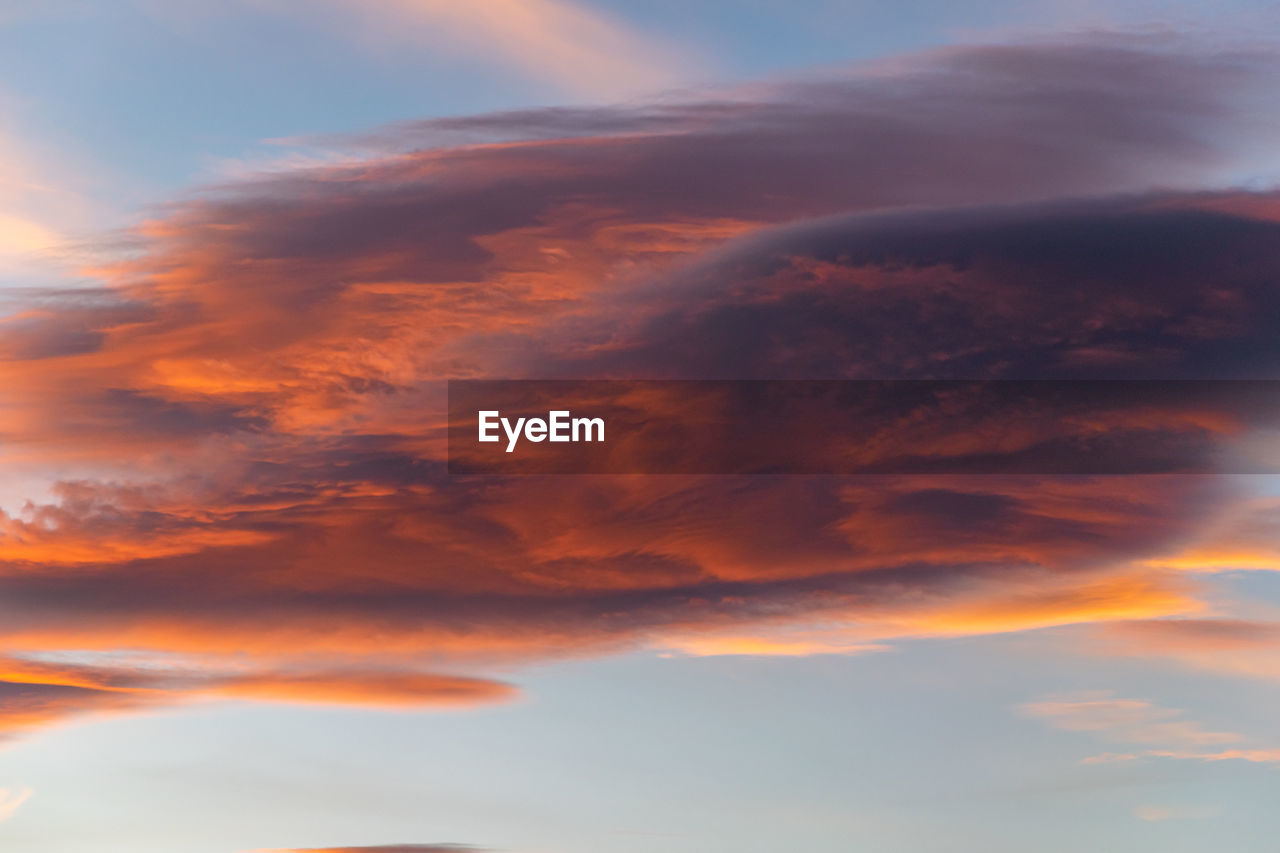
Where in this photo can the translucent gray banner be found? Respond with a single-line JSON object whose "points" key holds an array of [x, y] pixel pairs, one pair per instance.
{"points": [[863, 427]]}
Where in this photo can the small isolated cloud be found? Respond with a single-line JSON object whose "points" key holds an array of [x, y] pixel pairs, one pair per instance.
{"points": [[35, 694], [1145, 724], [11, 799], [1125, 721], [1157, 814]]}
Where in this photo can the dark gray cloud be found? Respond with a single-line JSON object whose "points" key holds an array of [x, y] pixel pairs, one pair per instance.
{"points": [[1150, 287]]}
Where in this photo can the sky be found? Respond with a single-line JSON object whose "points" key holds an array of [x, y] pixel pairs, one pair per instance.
{"points": [[244, 606]]}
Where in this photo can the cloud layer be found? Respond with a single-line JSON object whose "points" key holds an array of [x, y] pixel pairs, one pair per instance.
{"points": [[248, 418]]}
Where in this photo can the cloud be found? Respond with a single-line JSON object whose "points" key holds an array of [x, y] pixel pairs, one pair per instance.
{"points": [[1242, 537], [1227, 640], [36, 693], [1226, 646], [1142, 723], [1118, 293], [1252, 756], [249, 414], [34, 210], [11, 800], [47, 204], [384, 848], [577, 49], [1124, 720], [1225, 636], [764, 643], [1158, 814], [21, 236]]}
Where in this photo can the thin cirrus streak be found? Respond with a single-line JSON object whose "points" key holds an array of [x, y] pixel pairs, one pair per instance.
{"points": [[38, 205], [11, 800], [578, 50], [384, 848], [1163, 732], [252, 407], [35, 693]]}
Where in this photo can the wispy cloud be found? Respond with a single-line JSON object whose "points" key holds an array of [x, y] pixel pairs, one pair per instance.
{"points": [[1125, 720], [575, 48], [32, 211], [1159, 814], [47, 200], [382, 848], [1164, 731], [1221, 644], [1251, 756], [12, 799], [37, 693]]}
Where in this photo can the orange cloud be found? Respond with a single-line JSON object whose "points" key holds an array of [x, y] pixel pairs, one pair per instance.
{"points": [[1239, 537], [247, 425], [1222, 645], [375, 690], [35, 693]]}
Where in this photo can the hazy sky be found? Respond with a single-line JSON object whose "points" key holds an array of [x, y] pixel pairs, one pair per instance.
{"points": [[243, 608]]}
